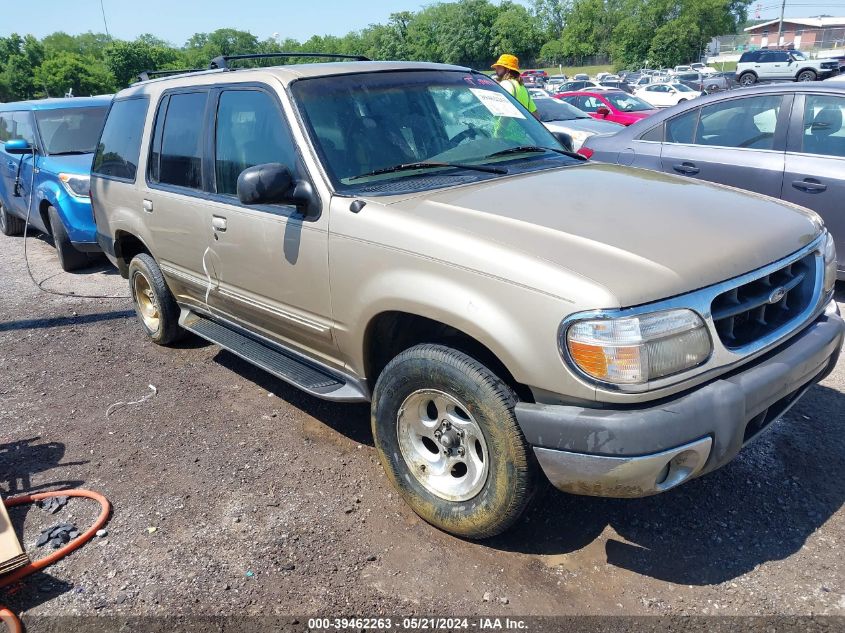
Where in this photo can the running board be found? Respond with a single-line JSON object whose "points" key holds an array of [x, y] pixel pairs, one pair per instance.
{"points": [[291, 367]]}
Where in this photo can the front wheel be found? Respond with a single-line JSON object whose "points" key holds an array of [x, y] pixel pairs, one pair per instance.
{"points": [[446, 434], [806, 75], [747, 79], [69, 258]]}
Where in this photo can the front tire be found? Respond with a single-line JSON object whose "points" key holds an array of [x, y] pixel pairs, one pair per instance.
{"points": [[747, 79], [446, 434], [70, 259], [154, 303], [10, 224], [806, 75]]}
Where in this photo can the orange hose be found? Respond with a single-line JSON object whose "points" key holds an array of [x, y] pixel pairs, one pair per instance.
{"points": [[6, 616]]}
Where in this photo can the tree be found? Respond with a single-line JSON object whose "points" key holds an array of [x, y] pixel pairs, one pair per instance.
{"points": [[126, 59], [65, 71], [515, 31], [551, 16]]}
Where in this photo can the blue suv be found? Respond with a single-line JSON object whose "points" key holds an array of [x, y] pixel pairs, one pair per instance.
{"points": [[46, 149]]}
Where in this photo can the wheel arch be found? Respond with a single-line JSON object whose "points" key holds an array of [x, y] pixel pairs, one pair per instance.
{"points": [[126, 246]]}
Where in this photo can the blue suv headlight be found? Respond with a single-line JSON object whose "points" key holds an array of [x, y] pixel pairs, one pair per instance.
{"points": [[76, 185]]}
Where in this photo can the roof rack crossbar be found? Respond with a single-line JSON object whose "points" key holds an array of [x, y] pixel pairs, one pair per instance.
{"points": [[146, 75], [222, 61]]}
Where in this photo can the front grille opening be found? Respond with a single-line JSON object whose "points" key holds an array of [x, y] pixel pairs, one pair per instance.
{"points": [[764, 419], [750, 312]]}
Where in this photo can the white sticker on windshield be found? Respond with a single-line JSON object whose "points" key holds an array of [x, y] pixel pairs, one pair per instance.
{"points": [[497, 103]]}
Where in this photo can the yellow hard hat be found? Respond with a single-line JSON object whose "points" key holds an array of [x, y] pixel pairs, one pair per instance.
{"points": [[508, 61]]}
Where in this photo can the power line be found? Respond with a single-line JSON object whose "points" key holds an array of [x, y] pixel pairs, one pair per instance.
{"points": [[105, 23]]}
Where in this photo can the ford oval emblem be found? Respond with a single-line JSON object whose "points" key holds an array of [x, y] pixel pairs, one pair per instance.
{"points": [[777, 295]]}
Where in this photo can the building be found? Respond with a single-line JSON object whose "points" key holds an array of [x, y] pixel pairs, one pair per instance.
{"points": [[800, 33]]}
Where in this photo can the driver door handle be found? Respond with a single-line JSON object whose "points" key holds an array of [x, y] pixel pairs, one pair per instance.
{"points": [[686, 168], [810, 185]]}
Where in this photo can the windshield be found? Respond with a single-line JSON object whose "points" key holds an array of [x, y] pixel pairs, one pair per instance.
{"points": [[798, 55], [628, 103], [557, 110], [70, 130], [364, 123]]}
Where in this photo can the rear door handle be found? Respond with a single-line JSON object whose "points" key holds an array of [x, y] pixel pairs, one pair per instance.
{"points": [[218, 223], [148, 206], [810, 185], [686, 168]]}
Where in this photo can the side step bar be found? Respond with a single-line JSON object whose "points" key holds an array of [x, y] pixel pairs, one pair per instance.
{"points": [[291, 367]]}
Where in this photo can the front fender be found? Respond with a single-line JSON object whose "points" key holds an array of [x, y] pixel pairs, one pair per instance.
{"points": [[74, 212]]}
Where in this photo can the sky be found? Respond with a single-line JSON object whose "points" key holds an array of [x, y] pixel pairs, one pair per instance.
{"points": [[176, 20]]}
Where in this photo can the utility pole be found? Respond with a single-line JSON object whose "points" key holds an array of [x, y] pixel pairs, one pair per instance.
{"points": [[780, 24]]}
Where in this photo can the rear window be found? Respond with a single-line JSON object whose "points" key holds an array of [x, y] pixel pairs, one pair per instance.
{"points": [[120, 143]]}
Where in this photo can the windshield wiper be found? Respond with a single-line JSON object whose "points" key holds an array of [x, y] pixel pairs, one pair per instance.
{"points": [[70, 152], [430, 165], [533, 149]]}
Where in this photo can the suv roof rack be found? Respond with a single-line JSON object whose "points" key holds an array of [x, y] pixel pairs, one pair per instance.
{"points": [[222, 61], [146, 75]]}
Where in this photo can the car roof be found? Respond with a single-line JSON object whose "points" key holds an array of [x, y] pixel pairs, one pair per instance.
{"points": [[285, 74], [56, 103]]}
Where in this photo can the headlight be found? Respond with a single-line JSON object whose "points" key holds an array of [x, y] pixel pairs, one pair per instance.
{"points": [[637, 349], [829, 264], [578, 138], [76, 185]]}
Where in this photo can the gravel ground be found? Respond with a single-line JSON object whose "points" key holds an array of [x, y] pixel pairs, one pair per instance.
{"points": [[265, 500]]}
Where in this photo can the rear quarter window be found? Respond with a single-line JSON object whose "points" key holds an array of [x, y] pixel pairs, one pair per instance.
{"points": [[120, 143]]}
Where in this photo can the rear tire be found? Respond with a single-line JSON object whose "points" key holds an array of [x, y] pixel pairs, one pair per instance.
{"points": [[70, 259], [154, 303], [806, 75], [747, 79], [10, 224], [472, 477]]}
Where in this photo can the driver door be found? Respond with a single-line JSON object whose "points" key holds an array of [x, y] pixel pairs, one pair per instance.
{"points": [[738, 142]]}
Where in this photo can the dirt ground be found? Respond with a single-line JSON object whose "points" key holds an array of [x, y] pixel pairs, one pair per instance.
{"points": [[266, 500]]}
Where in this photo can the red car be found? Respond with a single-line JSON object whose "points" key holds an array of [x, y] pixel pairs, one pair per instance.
{"points": [[535, 73], [618, 107]]}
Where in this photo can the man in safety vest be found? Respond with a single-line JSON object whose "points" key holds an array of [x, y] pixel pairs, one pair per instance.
{"points": [[507, 74]]}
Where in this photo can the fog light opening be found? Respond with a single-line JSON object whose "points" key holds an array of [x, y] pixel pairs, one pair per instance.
{"points": [[677, 470]]}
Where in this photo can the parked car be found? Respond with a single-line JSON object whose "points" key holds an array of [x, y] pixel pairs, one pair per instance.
{"points": [[682, 69], [481, 288], [703, 83], [665, 95], [581, 77], [570, 86], [538, 93], [792, 65], [534, 73], [47, 151], [617, 107], [616, 85], [703, 68], [729, 77], [559, 116], [555, 82], [783, 140]]}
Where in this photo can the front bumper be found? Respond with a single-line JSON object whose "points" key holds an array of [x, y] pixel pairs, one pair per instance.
{"points": [[642, 451]]}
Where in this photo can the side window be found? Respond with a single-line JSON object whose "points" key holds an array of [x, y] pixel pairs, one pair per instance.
{"points": [[120, 142], [5, 127], [24, 126], [748, 123], [182, 140], [824, 130], [154, 161], [589, 104], [680, 129], [655, 134], [251, 130]]}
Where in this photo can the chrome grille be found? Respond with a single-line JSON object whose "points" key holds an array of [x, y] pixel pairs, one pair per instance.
{"points": [[747, 313]]}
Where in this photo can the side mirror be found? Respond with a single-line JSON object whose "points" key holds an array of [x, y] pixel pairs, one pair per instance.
{"points": [[269, 183], [602, 111], [564, 139], [18, 146]]}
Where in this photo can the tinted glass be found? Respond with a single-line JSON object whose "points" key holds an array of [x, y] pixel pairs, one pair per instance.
{"points": [[680, 129], [824, 129], [557, 110], [120, 143], [70, 130], [6, 126], [250, 131], [181, 141], [154, 164], [748, 123], [627, 103], [654, 134]]}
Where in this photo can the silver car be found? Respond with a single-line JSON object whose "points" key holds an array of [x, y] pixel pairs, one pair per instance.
{"points": [[783, 140], [559, 116]]}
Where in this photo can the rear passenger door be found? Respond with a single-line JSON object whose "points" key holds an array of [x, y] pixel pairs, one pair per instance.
{"points": [[815, 161], [272, 262], [738, 142]]}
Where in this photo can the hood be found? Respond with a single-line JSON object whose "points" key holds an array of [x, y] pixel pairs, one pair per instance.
{"points": [[77, 164], [594, 126], [633, 116], [641, 235]]}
